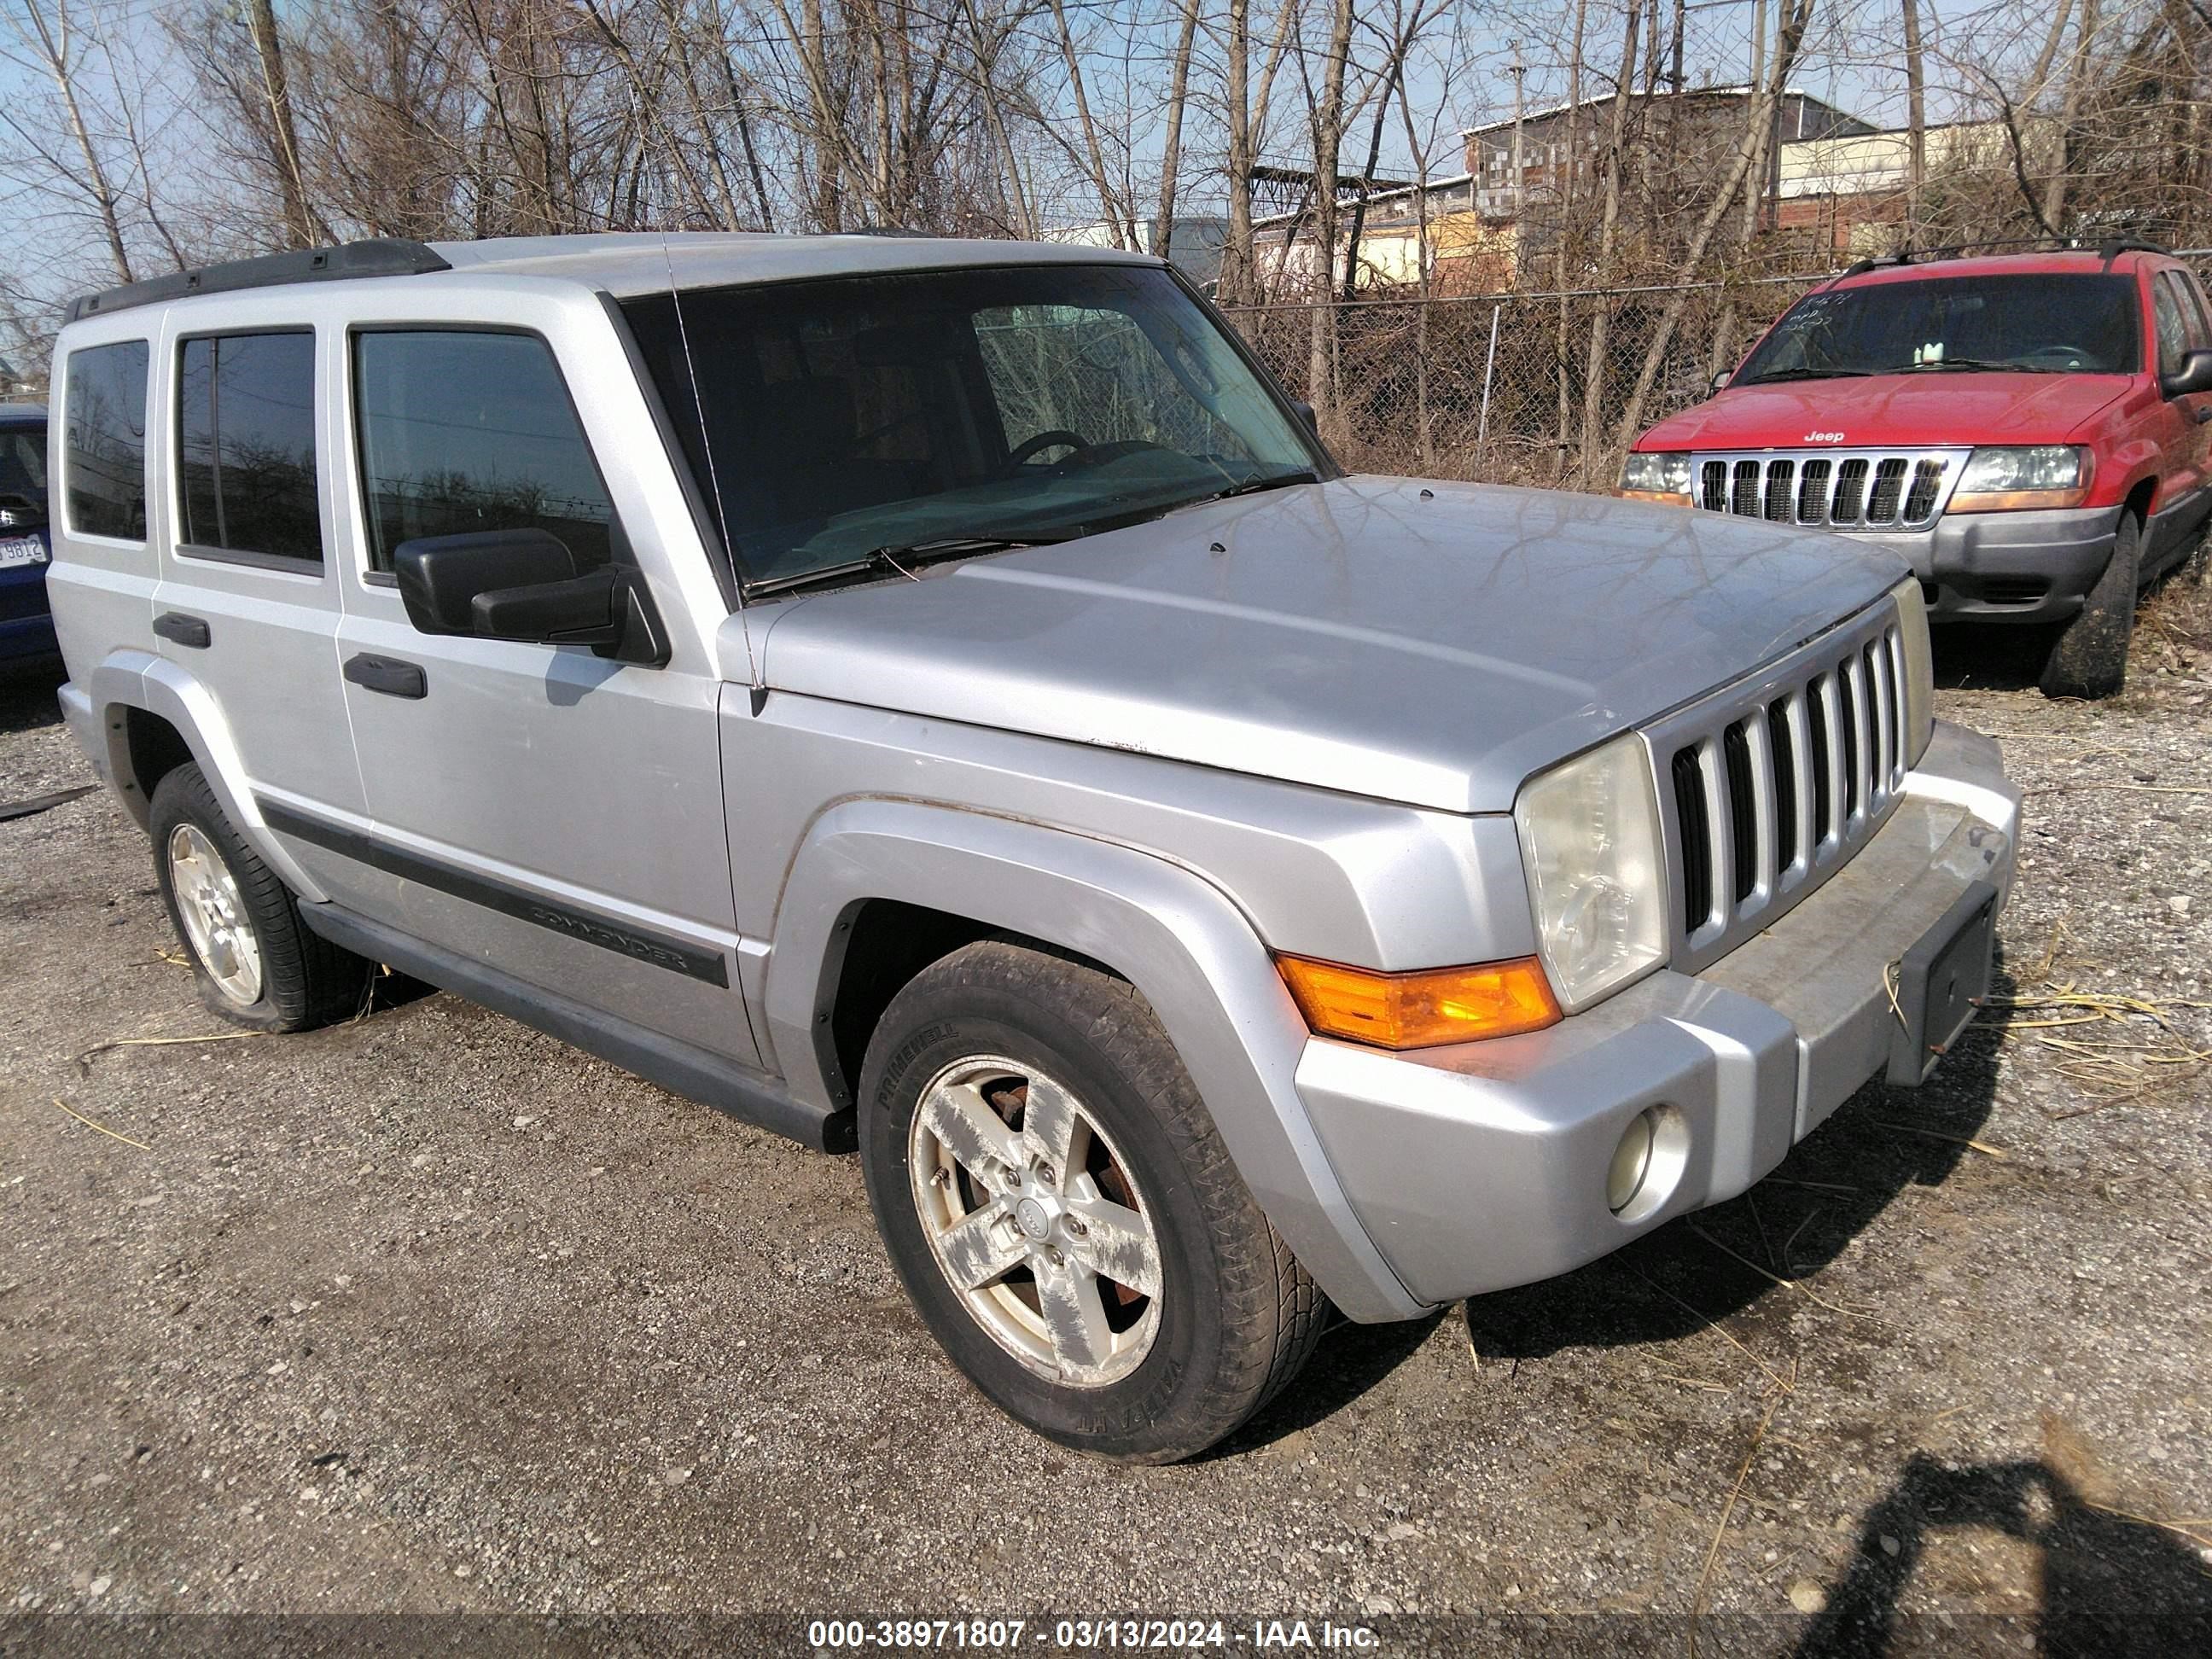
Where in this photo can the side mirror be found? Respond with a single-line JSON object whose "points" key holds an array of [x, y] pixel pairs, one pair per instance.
{"points": [[2194, 374], [1306, 414], [1721, 381], [526, 586]]}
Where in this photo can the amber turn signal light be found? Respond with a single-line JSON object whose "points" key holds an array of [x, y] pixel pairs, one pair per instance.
{"points": [[1421, 1010]]}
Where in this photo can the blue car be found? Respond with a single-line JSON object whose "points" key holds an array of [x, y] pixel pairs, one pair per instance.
{"points": [[26, 627]]}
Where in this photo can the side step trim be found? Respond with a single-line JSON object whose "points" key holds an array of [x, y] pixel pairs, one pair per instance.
{"points": [[680, 1067]]}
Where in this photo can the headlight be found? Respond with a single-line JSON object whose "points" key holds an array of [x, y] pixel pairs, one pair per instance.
{"points": [[1657, 477], [1589, 841], [2035, 475], [1918, 666]]}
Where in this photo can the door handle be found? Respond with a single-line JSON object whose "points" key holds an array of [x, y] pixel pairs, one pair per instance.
{"points": [[181, 629], [388, 675]]}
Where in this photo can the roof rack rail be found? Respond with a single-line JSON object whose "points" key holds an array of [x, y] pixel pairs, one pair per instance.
{"points": [[378, 256], [2111, 250], [2008, 247]]}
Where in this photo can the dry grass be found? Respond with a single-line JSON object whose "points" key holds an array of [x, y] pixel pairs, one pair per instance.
{"points": [[2174, 626], [2129, 1047]]}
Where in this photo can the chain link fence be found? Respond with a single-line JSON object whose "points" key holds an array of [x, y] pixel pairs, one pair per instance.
{"points": [[1493, 387]]}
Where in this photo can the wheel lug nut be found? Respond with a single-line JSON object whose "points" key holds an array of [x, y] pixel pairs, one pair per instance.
{"points": [[1048, 1175], [1075, 1227], [1055, 1258]]}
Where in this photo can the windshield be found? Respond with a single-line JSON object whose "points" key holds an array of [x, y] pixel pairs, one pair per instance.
{"points": [[23, 467], [2052, 323], [899, 412]]}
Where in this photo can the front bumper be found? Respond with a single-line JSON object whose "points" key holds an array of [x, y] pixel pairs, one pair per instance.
{"points": [[1484, 1166], [2007, 567]]}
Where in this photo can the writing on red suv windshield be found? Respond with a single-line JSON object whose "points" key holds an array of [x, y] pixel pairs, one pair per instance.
{"points": [[2045, 322]]}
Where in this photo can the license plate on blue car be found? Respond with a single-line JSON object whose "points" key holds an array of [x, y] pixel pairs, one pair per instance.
{"points": [[21, 549]]}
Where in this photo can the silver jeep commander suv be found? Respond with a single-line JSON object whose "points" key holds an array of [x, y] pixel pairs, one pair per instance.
{"points": [[938, 698]]}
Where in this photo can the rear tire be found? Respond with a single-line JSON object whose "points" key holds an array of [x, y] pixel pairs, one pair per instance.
{"points": [[255, 962], [1194, 1315], [2089, 659]]}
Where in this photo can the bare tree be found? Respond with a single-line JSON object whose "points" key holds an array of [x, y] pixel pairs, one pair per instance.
{"points": [[1610, 165], [1172, 144], [1327, 121], [88, 175]]}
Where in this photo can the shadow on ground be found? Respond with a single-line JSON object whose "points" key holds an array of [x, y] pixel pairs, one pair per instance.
{"points": [[1790, 1226], [1677, 1280], [2110, 1584], [1976, 658], [27, 699]]}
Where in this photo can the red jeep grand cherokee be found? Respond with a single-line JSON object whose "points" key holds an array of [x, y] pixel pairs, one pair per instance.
{"points": [[2029, 430]]}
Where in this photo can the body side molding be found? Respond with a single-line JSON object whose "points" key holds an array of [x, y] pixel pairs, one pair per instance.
{"points": [[623, 939]]}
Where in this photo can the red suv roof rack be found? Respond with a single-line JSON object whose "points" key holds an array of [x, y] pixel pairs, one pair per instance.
{"points": [[2015, 247]]}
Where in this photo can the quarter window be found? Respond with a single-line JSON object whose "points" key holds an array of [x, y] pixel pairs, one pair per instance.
{"points": [[468, 430], [245, 445], [104, 431]]}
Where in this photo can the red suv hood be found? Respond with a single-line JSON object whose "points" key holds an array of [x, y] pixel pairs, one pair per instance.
{"points": [[1914, 409]]}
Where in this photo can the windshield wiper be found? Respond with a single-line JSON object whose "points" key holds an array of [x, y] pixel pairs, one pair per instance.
{"points": [[1980, 365], [1975, 364], [898, 559], [1803, 374], [1254, 485]]}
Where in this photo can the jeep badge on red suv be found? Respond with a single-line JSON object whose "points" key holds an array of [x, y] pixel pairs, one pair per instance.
{"points": [[2030, 430]]}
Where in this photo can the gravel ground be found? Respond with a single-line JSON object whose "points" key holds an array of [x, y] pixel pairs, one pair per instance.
{"points": [[427, 1313]]}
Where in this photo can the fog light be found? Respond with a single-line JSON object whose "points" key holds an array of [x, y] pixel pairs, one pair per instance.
{"points": [[1631, 1162]]}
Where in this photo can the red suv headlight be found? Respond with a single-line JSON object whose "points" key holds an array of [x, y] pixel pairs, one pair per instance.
{"points": [[2010, 478]]}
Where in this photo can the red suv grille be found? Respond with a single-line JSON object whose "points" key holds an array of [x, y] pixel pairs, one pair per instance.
{"points": [[1869, 490]]}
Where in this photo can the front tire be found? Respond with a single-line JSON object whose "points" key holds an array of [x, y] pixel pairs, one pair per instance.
{"points": [[2089, 659], [1061, 1209], [255, 962]]}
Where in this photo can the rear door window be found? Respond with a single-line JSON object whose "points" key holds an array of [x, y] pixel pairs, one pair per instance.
{"points": [[2193, 307], [464, 430], [245, 445], [104, 433], [2175, 324]]}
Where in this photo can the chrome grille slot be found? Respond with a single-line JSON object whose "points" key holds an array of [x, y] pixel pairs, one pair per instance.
{"points": [[1743, 810], [1851, 726], [1744, 500], [1780, 475], [1782, 749], [1927, 479], [1813, 491], [1888, 486], [1770, 787], [1689, 780], [1866, 489], [1851, 490]]}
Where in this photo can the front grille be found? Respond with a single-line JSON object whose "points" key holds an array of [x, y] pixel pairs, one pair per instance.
{"points": [[1873, 490], [1771, 789]]}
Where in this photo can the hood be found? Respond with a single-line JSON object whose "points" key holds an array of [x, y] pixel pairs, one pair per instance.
{"points": [[1914, 410], [1427, 644]]}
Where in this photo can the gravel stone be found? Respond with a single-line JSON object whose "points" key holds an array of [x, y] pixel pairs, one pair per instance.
{"points": [[1964, 1323]]}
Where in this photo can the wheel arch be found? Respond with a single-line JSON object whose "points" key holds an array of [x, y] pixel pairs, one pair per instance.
{"points": [[880, 888], [2140, 498], [155, 716]]}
